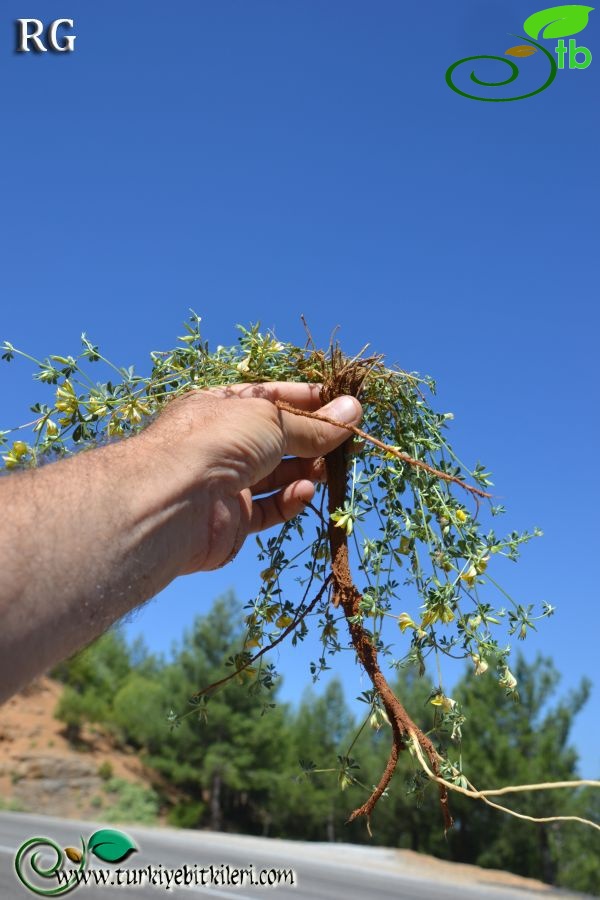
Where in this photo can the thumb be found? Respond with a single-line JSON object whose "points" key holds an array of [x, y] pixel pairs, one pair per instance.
{"points": [[308, 435]]}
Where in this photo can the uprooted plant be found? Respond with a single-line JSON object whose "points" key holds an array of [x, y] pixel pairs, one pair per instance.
{"points": [[396, 499]]}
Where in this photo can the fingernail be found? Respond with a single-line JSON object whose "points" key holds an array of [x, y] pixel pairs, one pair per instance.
{"points": [[343, 408]]}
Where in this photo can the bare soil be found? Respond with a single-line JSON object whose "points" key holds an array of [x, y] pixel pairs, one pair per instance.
{"points": [[41, 771]]}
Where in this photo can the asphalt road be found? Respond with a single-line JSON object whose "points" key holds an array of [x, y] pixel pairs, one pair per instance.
{"points": [[321, 871]]}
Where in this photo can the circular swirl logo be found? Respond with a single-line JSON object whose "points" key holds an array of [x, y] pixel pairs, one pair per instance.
{"points": [[514, 73], [555, 22], [28, 865], [32, 871]]}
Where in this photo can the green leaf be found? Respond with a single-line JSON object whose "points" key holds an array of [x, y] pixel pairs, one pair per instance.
{"points": [[558, 21], [110, 845]]}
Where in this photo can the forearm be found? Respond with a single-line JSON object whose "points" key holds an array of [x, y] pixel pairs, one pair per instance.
{"points": [[84, 541]]}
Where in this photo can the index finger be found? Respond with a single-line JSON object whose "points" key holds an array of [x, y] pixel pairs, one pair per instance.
{"points": [[296, 393]]}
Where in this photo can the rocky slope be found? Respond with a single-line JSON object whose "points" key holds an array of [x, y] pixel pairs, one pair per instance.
{"points": [[40, 771]]}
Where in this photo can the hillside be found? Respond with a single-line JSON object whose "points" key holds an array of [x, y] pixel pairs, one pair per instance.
{"points": [[41, 771]]}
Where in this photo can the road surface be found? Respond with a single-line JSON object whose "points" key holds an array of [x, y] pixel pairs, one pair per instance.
{"points": [[321, 871]]}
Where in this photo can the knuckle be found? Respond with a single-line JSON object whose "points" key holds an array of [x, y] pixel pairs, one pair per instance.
{"points": [[196, 403]]}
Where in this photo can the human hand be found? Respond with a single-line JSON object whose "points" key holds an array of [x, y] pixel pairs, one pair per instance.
{"points": [[127, 518], [226, 446]]}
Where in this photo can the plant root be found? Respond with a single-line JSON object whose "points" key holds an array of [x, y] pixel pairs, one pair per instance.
{"points": [[347, 595], [404, 457], [484, 796]]}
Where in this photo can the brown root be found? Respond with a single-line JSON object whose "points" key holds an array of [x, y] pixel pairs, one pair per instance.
{"points": [[348, 377], [404, 457], [346, 595]]}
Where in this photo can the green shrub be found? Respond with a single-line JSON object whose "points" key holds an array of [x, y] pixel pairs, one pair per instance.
{"points": [[130, 802], [105, 770], [187, 815], [8, 804]]}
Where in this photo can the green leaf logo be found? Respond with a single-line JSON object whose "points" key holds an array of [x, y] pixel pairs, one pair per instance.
{"points": [[110, 845], [557, 21]]}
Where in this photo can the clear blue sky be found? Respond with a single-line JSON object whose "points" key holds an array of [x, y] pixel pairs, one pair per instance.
{"points": [[257, 160]]}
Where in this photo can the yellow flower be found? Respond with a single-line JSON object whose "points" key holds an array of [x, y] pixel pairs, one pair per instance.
{"points": [[392, 455], [437, 614], [269, 574], [481, 666], [405, 545], [461, 515], [446, 703], [378, 718], [405, 621], [273, 610], [344, 780], [133, 411], [251, 643], [114, 427], [18, 450], [470, 575], [481, 564], [97, 406], [508, 680], [51, 429], [429, 617], [66, 401], [343, 520]]}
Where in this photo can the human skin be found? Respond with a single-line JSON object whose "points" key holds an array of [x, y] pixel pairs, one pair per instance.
{"points": [[87, 539]]}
